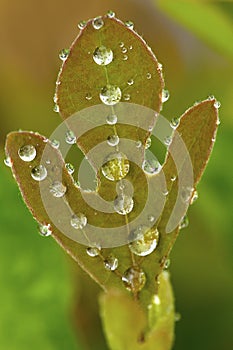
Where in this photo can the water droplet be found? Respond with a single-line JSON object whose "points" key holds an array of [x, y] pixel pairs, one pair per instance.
{"points": [[145, 240], [126, 97], [125, 57], [148, 143], [218, 121], [111, 14], [57, 189], [148, 76], [70, 168], [78, 221], [115, 167], [138, 144], [27, 153], [151, 218], [111, 119], [175, 123], [110, 95], [167, 140], [97, 23], [130, 82], [45, 230], [92, 251], [217, 104], [111, 263], [184, 222], [56, 108], [177, 317], [123, 204], [186, 194], [156, 300], [165, 192], [131, 47], [39, 173], [88, 96], [165, 95], [167, 263], [151, 166], [160, 66], [134, 279], [63, 54], [173, 178], [129, 24], [82, 24], [55, 144], [124, 50], [113, 140], [103, 56], [194, 197], [70, 137], [121, 44], [8, 162]]}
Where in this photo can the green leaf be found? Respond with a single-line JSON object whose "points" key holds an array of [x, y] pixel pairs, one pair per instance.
{"points": [[205, 20]]}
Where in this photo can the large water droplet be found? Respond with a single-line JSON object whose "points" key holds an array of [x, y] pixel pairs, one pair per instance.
{"points": [[151, 166], [103, 56], [78, 221], [92, 251], [63, 54], [45, 230], [8, 162], [111, 14], [165, 95], [134, 279], [27, 153], [70, 168], [97, 22], [111, 119], [145, 240], [57, 189], [123, 204], [110, 95], [184, 222], [129, 24], [111, 263], [39, 173], [113, 140], [70, 137], [115, 167]]}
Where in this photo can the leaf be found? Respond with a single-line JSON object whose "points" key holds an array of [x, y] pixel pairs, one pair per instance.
{"points": [[212, 25], [119, 312]]}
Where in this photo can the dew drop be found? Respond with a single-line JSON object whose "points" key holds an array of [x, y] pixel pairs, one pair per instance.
{"points": [[123, 204], [115, 167], [97, 23], [129, 24], [113, 140], [167, 140], [88, 96], [126, 97], [151, 218], [125, 57], [63, 54], [130, 82], [57, 189], [138, 144], [134, 279], [55, 144], [92, 251], [175, 122], [165, 95], [173, 178], [82, 24], [218, 121], [103, 56], [111, 119], [217, 104], [167, 263], [111, 14], [131, 47], [156, 300], [148, 143], [111, 263], [70, 137], [121, 44], [194, 197], [70, 168], [39, 173], [145, 240], [124, 50], [56, 108], [186, 194], [151, 166], [78, 221], [177, 317], [27, 153], [45, 230], [8, 162], [184, 222], [148, 76], [110, 95]]}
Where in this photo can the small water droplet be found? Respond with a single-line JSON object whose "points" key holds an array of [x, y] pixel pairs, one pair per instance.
{"points": [[129, 24], [111, 14], [148, 76], [55, 144], [124, 49], [165, 192], [82, 24], [70, 137], [97, 23], [78, 221], [125, 57], [39, 173], [126, 97], [156, 300], [177, 317], [113, 140], [111, 119], [103, 56], [138, 144], [145, 240], [134, 279], [115, 167], [111, 263], [175, 122], [130, 82], [167, 140], [63, 54], [88, 96], [123, 204], [121, 44], [45, 230], [173, 178], [165, 95], [56, 108], [160, 66], [218, 121], [194, 197], [27, 153], [110, 95], [92, 251], [167, 263], [70, 168], [151, 166], [217, 104], [151, 218], [186, 194], [184, 222], [8, 162], [57, 189], [148, 143]]}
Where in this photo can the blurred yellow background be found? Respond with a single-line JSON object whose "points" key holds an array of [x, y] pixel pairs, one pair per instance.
{"points": [[37, 280]]}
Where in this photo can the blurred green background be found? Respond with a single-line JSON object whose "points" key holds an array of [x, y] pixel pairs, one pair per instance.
{"points": [[45, 302]]}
